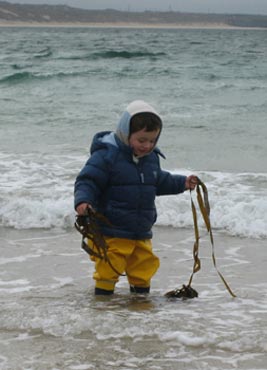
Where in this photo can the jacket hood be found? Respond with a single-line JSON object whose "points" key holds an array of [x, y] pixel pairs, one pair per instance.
{"points": [[123, 127], [102, 139]]}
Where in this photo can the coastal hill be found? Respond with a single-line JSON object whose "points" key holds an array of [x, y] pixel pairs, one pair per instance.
{"points": [[12, 14]]}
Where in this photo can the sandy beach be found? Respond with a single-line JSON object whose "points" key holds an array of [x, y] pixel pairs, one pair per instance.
{"points": [[123, 25]]}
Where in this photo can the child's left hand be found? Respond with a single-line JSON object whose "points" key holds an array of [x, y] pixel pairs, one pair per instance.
{"points": [[191, 182]]}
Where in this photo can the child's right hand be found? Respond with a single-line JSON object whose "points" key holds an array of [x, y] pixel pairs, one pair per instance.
{"points": [[81, 209]]}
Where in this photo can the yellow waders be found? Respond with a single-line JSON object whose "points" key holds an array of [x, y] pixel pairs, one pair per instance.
{"points": [[134, 257]]}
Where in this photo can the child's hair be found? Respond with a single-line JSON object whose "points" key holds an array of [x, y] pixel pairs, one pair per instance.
{"points": [[145, 120]]}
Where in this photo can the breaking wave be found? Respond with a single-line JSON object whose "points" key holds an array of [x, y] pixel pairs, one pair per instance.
{"points": [[39, 194]]}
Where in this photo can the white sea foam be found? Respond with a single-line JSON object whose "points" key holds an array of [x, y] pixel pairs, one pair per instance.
{"points": [[187, 339], [14, 286], [238, 204], [14, 282], [38, 193], [7, 260]]}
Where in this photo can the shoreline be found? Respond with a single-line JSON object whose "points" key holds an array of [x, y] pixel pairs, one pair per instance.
{"points": [[235, 258], [50, 316], [130, 25]]}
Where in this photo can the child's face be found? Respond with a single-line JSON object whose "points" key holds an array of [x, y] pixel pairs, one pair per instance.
{"points": [[143, 141]]}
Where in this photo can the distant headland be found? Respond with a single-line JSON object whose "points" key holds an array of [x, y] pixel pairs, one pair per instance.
{"points": [[62, 15]]}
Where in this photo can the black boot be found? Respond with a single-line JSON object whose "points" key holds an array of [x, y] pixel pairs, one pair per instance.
{"points": [[99, 291], [139, 289]]}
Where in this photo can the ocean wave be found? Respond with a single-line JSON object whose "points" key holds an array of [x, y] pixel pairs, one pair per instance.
{"points": [[39, 194], [28, 77], [124, 54], [113, 54], [196, 43], [17, 77], [20, 66], [45, 53], [24, 77], [238, 205]]}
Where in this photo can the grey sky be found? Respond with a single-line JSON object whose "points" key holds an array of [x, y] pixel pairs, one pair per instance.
{"points": [[212, 6]]}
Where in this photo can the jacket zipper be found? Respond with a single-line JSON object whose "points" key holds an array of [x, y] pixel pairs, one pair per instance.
{"points": [[139, 169]]}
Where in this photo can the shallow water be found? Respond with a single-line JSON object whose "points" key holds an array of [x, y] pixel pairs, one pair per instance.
{"points": [[50, 318]]}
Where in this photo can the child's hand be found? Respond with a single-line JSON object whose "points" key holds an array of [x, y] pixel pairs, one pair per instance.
{"points": [[81, 209], [191, 182]]}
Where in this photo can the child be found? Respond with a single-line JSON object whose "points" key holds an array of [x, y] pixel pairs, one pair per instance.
{"points": [[121, 180]]}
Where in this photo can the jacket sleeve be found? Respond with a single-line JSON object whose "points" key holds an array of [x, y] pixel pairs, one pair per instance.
{"points": [[169, 183], [92, 180]]}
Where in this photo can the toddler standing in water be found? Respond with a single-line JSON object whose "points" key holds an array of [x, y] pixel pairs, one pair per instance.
{"points": [[121, 180]]}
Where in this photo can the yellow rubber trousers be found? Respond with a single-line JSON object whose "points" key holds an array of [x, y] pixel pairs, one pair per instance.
{"points": [[133, 257]]}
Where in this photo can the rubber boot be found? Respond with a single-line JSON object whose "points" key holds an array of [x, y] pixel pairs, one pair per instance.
{"points": [[99, 291], [139, 289]]}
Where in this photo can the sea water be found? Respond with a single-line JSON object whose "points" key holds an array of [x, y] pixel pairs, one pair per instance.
{"points": [[58, 87]]}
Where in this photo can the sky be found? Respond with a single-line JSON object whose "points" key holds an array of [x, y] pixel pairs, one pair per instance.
{"points": [[205, 6]]}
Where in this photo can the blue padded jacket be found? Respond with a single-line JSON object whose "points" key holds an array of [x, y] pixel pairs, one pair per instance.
{"points": [[122, 187]]}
